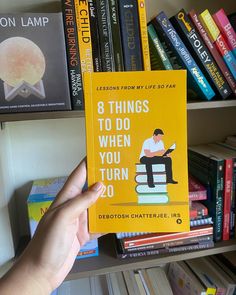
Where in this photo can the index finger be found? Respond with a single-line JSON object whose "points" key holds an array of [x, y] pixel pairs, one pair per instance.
{"points": [[73, 186]]}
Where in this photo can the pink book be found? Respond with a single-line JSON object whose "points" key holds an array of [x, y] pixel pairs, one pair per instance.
{"points": [[197, 191], [226, 29]]}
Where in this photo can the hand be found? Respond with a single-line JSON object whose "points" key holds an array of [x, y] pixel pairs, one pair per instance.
{"points": [[59, 236]]}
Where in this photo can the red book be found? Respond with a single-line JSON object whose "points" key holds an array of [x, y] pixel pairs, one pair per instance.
{"points": [[215, 53], [166, 237], [197, 191], [198, 210]]}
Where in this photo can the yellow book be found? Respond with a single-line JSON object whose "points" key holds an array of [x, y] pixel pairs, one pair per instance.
{"points": [[209, 25], [144, 35], [84, 35], [137, 146]]}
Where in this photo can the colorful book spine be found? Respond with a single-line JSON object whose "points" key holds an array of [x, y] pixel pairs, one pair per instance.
{"points": [[210, 172], [105, 35], [84, 35], [219, 40], [166, 30], [201, 221], [212, 48], [158, 56], [130, 35], [226, 29], [116, 35], [197, 191], [198, 210], [96, 53], [200, 53], [73, 59], [144, 35]]}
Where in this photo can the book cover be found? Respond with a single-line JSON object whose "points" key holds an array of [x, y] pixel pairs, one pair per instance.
{"points": [[200, 53], [211, 46], [84, 35], [209, 169], [196, 80], [130, 122], [144, 35], [159, 58], [130, 35], [219, 41], [33, 73], [198, 210], [93, 20], [105, 36], [72, 51], [226, 29]]}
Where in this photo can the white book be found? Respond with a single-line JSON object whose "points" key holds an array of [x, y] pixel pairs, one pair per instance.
{"points": [[141, 168], [139, 283], [159, 281], [131, 283], [157, 178], [142, 189]]}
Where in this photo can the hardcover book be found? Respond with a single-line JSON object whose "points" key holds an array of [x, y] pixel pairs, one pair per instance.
{"points": [[132, 118], [33, 71]]}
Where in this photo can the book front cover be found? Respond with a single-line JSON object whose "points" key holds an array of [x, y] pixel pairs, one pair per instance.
{"points": [[137, 146]]}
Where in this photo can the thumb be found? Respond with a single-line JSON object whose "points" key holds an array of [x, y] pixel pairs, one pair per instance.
{"points": [[77, 205]]}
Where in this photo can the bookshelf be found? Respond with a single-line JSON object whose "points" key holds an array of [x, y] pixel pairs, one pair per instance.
{"points": [[32, 146]]}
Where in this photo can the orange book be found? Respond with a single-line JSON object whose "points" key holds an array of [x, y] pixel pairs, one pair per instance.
{"points": [[137, 146]]}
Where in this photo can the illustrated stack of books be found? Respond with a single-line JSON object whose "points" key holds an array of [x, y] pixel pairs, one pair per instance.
{"points": [[214, 165], [151, 195]]}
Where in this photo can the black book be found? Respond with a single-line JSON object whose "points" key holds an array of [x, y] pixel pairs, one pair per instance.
{"points": [[130, 35], [73, 58], [96, 52], [105, 36], [193, 41]]}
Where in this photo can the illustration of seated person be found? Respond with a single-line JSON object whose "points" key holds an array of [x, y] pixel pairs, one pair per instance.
{"points": [[153, 152]]}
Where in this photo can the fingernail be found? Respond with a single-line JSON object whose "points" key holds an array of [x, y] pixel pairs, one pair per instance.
{"points": [[97, 186]]}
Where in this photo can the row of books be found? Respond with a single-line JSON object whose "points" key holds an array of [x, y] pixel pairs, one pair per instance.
{"points": [[208, 275], [214, 165]]}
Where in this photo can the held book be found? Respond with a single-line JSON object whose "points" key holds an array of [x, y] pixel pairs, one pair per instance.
{"points": [[130, 118]]}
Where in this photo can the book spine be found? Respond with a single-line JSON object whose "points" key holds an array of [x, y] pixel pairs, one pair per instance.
{"points": [[73, 59], [159, 58], [144, 35], [221, 64], [200, 246], [105, 35], [130, 35], [219, 41], [84, 35], [213, 178], [226, 29], [200, 53], [141, 241], [96, 53], [227, 198], [116, 36], [176, 243], [233, 203], [201, 221], [165, 28]]}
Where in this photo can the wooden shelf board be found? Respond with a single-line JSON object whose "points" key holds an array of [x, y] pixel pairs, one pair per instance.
{"points": [[197, 105], [194, 105], [107, 262], [40, 116]]}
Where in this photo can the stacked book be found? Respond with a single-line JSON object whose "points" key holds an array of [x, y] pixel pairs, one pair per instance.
{"points": [[199, 237], [151, 195]]}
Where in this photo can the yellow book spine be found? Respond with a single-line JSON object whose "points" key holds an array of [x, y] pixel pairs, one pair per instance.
{"points": [[84, 35], [209, 24], [210, 291], [144, 35]]}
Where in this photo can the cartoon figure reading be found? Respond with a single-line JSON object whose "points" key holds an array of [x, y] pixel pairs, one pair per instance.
{"points": [[153, 152]]}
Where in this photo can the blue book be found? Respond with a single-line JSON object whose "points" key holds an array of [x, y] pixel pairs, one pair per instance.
{"points": [[168, 35], [130, 35]]}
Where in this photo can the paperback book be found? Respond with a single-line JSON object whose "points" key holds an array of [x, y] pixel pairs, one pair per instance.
{"points": [[132, 119]]}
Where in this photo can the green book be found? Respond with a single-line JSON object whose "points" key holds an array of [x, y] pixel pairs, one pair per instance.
{"points": [[159, 58]]}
